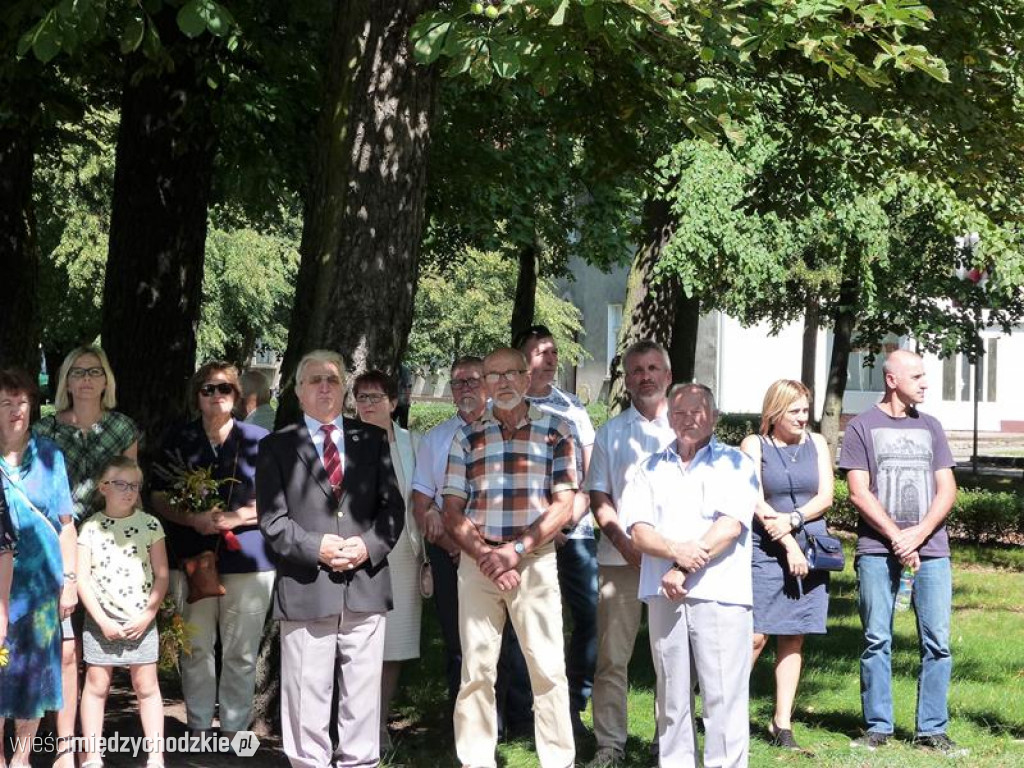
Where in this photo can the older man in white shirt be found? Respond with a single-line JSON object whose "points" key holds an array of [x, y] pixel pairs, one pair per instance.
{"points": [[689, 512]]}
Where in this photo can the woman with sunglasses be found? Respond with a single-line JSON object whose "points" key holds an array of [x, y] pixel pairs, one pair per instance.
{"points": [[43, 583], [89, 432], [228, 448], [376, 396]]}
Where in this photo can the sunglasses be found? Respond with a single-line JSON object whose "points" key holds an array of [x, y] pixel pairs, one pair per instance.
{"points": [[319, 378], [81, 373], [122, 486], [222, 388]]}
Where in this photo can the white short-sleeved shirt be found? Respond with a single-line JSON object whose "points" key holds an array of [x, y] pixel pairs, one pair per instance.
{"points": [[432, 458], [570, 408], [620, 447], [682, 503]]}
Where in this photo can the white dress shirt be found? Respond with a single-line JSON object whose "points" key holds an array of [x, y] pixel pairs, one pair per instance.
{"points": [[682, 503], [620, 447]]}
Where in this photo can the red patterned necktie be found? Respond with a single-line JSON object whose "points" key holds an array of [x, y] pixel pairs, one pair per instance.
{"points": [[332, 460]]}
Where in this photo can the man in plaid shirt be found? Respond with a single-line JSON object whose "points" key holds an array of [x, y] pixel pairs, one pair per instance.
{"points": [[509, 489]]}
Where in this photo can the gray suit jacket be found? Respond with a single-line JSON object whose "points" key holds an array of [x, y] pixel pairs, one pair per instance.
{"points": [[296, 507]]}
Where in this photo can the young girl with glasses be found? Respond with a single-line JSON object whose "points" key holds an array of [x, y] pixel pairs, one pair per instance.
{"points": [[122, 579]]}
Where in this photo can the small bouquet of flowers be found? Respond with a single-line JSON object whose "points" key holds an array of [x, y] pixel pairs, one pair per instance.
{"points": [[194, 491], [175, 635]]}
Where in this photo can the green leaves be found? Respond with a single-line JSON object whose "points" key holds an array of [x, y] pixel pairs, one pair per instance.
{"points": [[66, 26], [467, 309], [429, 38], [133, 33], [198, 16]]}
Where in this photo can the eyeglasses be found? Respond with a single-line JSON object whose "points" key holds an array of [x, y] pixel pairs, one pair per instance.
{"points": [[512, 373], [122, 486], [81, 373], [370, 397], [473, 383], [222, 388], [319, 378]]}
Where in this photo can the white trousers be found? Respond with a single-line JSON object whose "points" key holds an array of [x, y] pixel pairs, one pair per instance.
{"points": [[720, 637], [239, 617], [347, 651]]}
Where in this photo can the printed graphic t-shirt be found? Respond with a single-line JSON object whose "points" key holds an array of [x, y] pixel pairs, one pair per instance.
{"points": [[901, 456]]}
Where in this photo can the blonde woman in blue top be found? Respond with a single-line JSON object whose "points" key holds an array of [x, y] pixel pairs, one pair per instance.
{"points": [[790, 600]]}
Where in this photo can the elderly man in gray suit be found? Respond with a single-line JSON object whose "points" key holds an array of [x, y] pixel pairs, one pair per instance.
{"points": [[331, 511]]}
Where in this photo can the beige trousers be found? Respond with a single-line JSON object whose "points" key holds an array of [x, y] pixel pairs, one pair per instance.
{"points": [[535, 609], [619, 611], [238, 617]]}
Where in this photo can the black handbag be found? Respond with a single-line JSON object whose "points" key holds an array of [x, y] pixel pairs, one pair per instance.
{"points": [[824, 553]]}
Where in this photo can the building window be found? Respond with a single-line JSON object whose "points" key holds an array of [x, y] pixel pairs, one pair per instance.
{"points": [[612, 341], [869, 378], [958, 375]]}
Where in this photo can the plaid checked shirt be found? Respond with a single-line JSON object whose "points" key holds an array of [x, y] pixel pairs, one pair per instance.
{"points": [[86, 453], [509, 483]]}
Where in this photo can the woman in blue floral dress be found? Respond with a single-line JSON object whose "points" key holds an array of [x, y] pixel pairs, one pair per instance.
{"points": [[35, 488]]}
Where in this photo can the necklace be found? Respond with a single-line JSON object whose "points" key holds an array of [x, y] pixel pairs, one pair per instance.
{"points": [[793, 457]]}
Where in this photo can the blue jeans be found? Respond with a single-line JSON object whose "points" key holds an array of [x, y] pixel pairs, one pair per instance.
{"points": [[577, 578], [879, 577]]}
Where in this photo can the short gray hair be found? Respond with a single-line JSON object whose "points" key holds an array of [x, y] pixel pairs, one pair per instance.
{"points": [[642, 347], [466, 360], [320, 356], [693, 386]]}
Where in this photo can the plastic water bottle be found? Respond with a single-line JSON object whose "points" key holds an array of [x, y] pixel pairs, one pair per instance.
{"points": [[906, 590]]}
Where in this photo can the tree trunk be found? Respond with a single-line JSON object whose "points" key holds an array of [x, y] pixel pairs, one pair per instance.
{"points": [[365, 209], [845, 322], [683, 349], [364, 212], [19, 261], [809, 353], [151, 296], [651, 307], [525, 305]]}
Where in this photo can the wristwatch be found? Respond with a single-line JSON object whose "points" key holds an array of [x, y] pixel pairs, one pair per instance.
{"points": [[71, 576], [519, 547], [796, 520]]}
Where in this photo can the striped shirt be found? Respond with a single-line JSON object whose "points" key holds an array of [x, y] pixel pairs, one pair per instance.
{"points": [[509, 482]]}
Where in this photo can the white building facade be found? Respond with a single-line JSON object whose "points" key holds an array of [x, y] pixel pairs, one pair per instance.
{"points": [[740, 363]]}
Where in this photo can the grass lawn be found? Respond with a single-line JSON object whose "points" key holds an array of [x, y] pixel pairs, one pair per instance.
{"points": [[986, 696]]}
